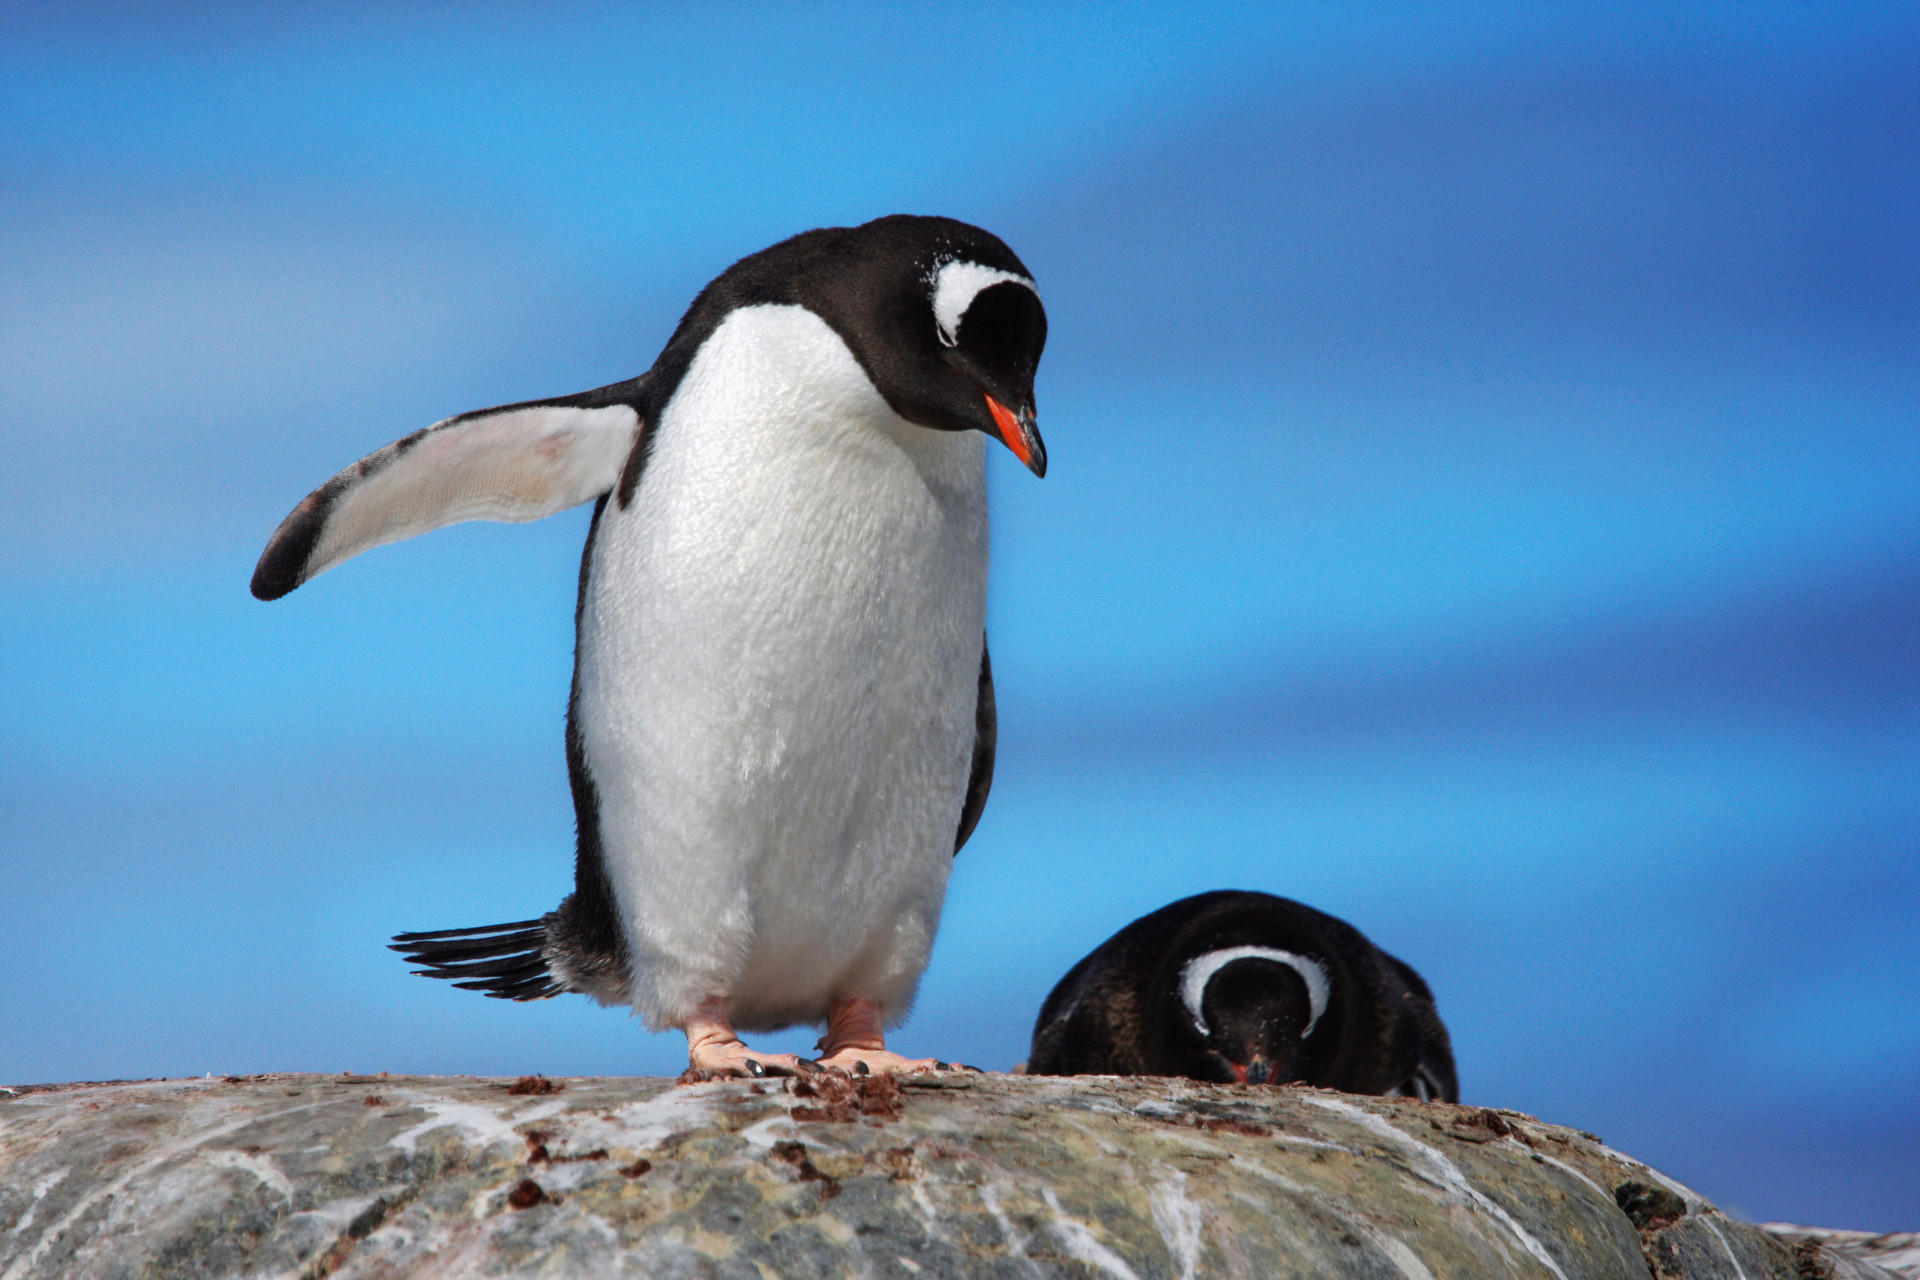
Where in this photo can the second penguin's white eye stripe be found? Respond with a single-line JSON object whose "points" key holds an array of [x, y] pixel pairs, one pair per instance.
{"points": [[1199, 971], [956, 285]]}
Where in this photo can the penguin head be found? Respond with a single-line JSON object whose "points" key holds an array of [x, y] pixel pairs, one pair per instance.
{"points": [[942, 316], [991, 328], [1254, 1010], [953, 328]]}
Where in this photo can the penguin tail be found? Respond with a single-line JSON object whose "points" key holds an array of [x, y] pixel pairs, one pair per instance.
{"points": [[505, 961]]}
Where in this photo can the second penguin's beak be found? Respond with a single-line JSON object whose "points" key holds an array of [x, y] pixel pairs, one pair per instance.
{"points": [[1020, 435]]}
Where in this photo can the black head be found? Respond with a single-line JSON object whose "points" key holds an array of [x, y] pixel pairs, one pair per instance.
{"points": [[941, 315], [1255, 1010]]}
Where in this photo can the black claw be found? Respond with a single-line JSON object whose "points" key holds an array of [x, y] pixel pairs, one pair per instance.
{"points": [[860, 1069], [810, 1066], [754, 1069], [964, 1067], [941, 1066]]}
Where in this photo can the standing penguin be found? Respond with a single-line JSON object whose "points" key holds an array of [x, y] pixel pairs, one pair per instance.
{"points": [[781, 728], [1233, 986]]}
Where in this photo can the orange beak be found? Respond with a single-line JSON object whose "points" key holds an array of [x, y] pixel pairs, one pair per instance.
{"points": [[1020, 435]]}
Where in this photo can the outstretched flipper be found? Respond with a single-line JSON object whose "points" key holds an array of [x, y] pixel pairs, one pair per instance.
{"points": [[516, 462]]}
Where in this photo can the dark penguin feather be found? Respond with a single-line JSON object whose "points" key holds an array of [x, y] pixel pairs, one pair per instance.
{"points": [[503, 960], [1123, 1011], [986, 732]]}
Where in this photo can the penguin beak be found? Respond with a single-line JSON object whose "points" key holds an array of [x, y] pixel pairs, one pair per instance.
{"points": [[1020, 435]]}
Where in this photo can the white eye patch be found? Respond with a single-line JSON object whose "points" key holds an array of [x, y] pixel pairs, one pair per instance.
{"points": [[1199, 971], [956, 285]]}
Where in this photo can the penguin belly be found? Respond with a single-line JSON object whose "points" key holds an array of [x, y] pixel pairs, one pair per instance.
{"points": [[779, 651]]}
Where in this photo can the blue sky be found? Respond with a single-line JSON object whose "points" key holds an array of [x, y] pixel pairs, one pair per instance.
{"points": [[1485, 445]]}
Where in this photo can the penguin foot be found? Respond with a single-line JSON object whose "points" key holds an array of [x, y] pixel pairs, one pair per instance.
{"points": [[736, 1061], [714, 1052], [855, 1043], [861, 1062]]}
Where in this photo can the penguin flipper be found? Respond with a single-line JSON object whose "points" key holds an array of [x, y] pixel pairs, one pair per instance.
{"points": [[516, 462], [1435, 1077], [986, 735]]}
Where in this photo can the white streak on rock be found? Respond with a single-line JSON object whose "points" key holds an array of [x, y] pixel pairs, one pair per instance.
{"points": [[1403, 1257], [25, 1264], [762, 1134], [40, 1189], [1443, 1171], [666, 1115], [1082, 1244], [260, 1167], [1016, 1238], [1564, 1167], [1738, 1271], [924, 1203], [1294, 1139], [461, 1253], [1177, 1219], [1695, 1202], [477, 1126]]}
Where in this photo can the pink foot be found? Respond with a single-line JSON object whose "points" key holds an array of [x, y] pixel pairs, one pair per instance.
{"points": [[854, 1043], [860, 1062], [714, 1052]]}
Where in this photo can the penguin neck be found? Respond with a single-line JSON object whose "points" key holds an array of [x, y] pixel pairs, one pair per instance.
{"points": [[776, 384]]}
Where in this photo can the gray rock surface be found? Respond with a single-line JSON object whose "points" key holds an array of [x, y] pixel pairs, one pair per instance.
{"points": [[1897, 1251], [1002, 1176]]}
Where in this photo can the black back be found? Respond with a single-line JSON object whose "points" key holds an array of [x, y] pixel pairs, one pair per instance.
{"points": [[1120, 1010]]}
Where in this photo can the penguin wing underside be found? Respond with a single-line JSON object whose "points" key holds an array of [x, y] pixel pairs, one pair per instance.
{"points": [[516, 463]]}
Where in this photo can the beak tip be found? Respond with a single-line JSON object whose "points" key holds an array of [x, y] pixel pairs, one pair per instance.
{"points": [[1020, 435]]}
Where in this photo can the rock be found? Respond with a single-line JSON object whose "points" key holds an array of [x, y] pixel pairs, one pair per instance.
{"points": [[1898, 1251], [357, 1176]]}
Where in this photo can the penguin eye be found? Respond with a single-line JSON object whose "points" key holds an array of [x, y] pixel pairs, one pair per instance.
{"points": [[1198, 972], [958, 285], [1004, 330]]}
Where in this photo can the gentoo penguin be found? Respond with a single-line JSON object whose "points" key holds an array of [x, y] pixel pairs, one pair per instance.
{"points": [[1232, 986], [781, 728]]}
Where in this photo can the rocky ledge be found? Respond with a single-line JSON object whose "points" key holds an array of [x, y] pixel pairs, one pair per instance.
{"points": [[967, 1175]]}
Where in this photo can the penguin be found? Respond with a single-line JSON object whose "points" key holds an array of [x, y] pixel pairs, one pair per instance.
{"points": [[782, 724], [1251, 988]]}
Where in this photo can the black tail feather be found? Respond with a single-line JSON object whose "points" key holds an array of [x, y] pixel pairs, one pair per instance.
{"points": [[519, 966], [505, 961], [535, 988], [509, 946], [435, 935]]}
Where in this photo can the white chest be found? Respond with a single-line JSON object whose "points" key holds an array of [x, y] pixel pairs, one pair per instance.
{"points": [[790, 526], [779, 652]]}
